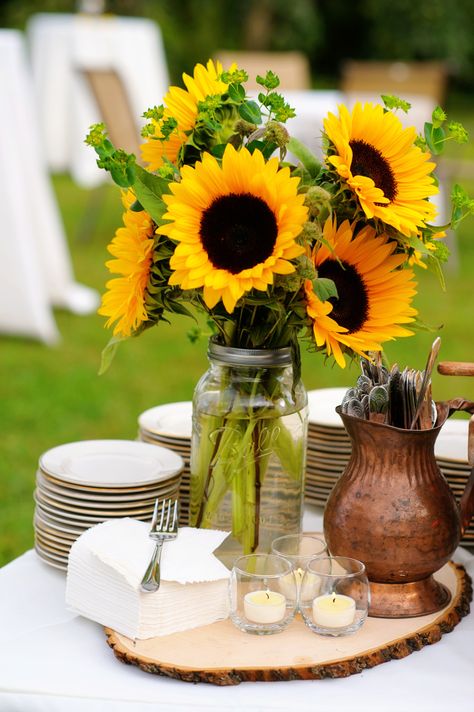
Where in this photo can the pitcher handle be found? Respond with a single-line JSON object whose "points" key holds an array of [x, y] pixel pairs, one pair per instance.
{"points": [[466, 504], [460, 404]]}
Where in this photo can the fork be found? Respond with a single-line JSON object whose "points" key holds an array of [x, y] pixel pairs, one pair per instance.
{"points": [[164, 527]]}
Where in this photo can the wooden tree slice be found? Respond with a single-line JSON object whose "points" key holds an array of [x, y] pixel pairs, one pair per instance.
{"points": [[223, 655]]}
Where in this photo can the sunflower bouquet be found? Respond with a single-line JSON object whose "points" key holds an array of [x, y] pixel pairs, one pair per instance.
{"points": [[235, 219]]}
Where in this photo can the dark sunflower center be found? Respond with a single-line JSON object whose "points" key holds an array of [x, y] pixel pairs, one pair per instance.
{"points": [[350, 309], [368, 161], [238, 231]]}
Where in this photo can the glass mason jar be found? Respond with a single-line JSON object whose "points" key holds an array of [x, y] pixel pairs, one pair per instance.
{"points": [[248, 451]]}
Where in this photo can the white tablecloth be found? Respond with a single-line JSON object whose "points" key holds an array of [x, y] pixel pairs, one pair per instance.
{"points": [[52, 660], [62, 44], [311, 109]]}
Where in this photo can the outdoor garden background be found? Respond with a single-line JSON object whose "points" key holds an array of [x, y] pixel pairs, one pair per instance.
{"points": [[52, 395]]}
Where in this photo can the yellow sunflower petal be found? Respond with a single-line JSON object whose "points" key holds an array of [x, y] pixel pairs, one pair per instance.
{"points": [[380, 163], [124, 302], [222, 246], [182, 105], [374, 294]]}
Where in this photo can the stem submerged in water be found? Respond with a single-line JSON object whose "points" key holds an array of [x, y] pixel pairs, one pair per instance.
{"points": [[248, 455]]}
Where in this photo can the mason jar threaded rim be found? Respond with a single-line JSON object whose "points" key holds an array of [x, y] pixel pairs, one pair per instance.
{"points": [[249, 357]]}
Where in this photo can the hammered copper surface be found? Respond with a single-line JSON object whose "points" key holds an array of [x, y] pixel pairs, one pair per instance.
{"points": [[393, 510]]}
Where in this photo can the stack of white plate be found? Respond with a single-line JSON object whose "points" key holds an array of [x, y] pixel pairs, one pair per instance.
{"points": [[83, 483], [451, 456], [329, 446], [170, 425]]}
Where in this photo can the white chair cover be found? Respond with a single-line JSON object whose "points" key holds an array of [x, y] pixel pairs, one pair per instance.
{"points": [[35, 267], [60, 46]]}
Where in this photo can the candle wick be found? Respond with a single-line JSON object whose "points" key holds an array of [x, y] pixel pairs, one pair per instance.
{"points": [[267, 594], [334, 597]]}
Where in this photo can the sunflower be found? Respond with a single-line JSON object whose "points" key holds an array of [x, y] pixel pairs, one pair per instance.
{"points": [[182, 105], [132, 246], [235, 225], [378, 160], [374, 296]]}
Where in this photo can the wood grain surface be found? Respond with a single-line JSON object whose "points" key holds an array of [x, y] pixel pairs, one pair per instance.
{"points": [[223, 655]]}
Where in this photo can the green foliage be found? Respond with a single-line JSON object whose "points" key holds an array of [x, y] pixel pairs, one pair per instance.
{"points": [[303, 154], [149, 189], [120, 165], [324, 288], [250, 111], [108, 353], [394, 102], [462, 204], [269, 81]]}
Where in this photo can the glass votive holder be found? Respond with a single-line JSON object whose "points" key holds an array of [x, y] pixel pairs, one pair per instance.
{"points": [[257, 602], [299, 549], [335, 595]]}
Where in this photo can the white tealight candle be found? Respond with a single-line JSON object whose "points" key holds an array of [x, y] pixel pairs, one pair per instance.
{"points": [[287, 585], [333, 610], [264, 606]]}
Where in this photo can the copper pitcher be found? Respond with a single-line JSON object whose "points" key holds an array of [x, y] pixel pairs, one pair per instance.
{"points": [[394, 510]]}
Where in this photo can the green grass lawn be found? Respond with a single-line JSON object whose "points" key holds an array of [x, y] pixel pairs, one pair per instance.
{"points": [[52, 395]]}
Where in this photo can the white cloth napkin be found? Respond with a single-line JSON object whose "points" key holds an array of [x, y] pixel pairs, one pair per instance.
{"points": [[107, 563]]}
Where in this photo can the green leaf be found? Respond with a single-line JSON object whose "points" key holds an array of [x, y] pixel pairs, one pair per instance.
{"points": [[325, 288], [419, 325], [136, 207], [266, 148], [109, 352], [218, 150], [250, 111], [123, 176], [304, 155], [418, 245], [434, 265], [149, 190], [237, 93], [178, 308], [435, 138]]}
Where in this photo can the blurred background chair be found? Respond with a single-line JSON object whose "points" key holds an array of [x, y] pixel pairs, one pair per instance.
{"points": [[127, 57], [114, 106], [292, 67], [404, 79], [115, 111], [35, 267]]}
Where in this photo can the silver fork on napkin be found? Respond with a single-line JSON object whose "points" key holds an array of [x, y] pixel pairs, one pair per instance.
{"points": [[164, 526]]}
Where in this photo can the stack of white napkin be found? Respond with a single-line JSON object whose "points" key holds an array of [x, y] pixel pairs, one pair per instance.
{"points": [[107, 563]]}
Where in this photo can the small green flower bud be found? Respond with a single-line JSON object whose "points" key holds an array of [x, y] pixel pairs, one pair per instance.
{"points": [[244, 128], [316, 199], [310, 234], [276, 133]]}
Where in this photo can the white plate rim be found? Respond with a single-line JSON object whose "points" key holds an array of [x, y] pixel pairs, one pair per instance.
{"points": [[162, 462], [148, 419]]}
